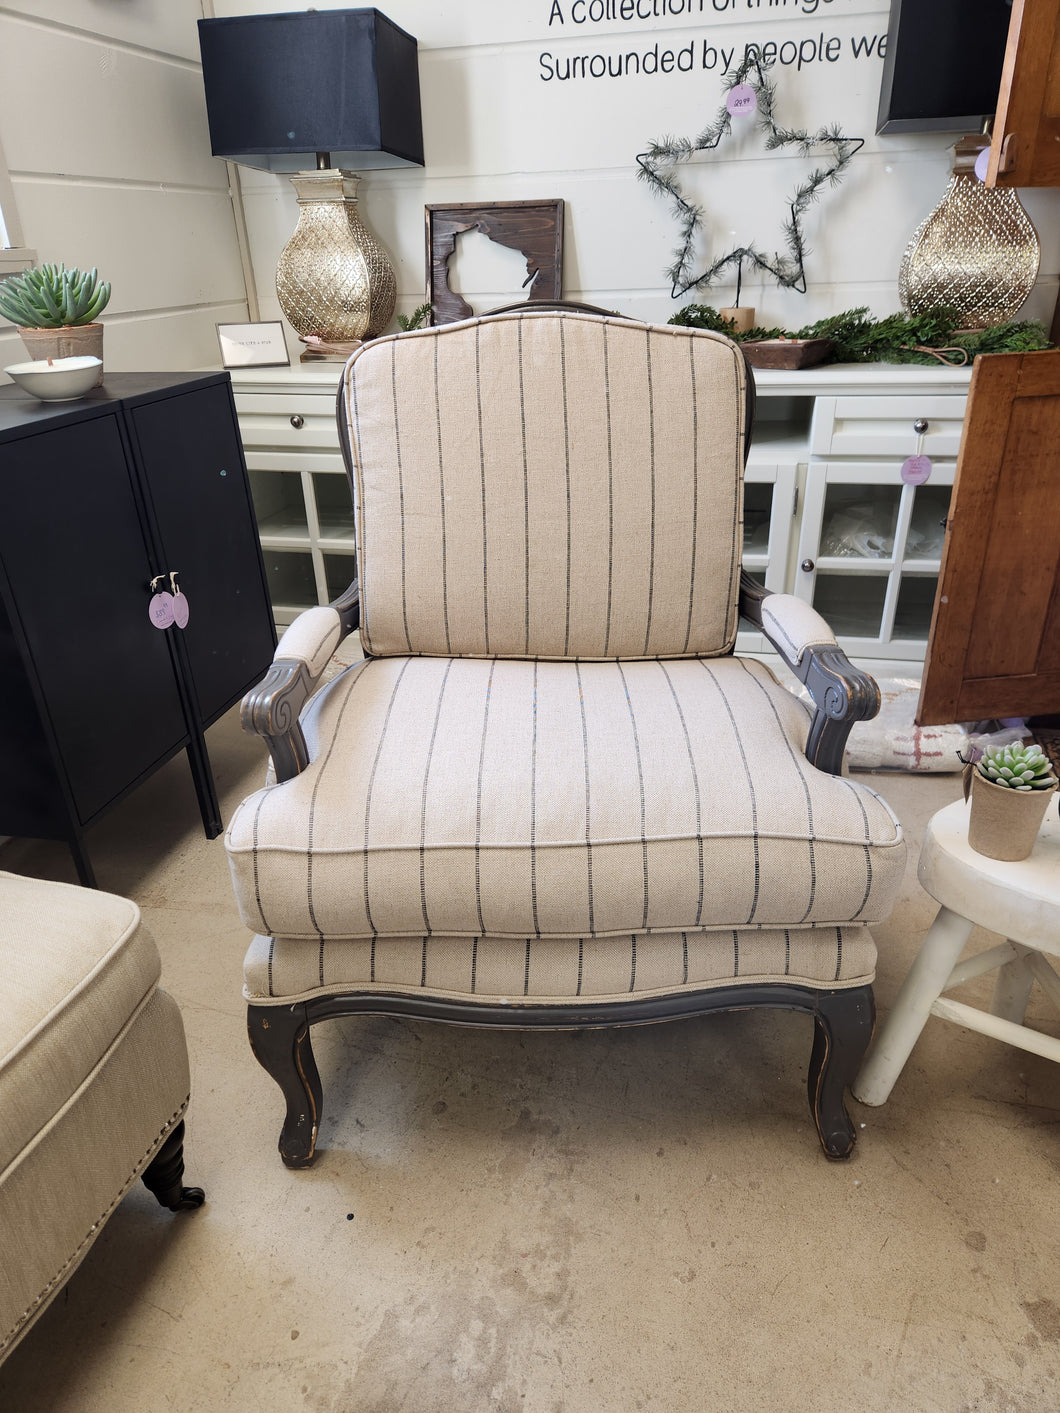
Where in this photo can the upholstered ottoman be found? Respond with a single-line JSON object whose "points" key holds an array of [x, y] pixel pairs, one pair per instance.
{"points": [[93, 1083]]}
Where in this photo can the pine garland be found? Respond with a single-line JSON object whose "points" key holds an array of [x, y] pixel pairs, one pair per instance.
{"points": [[860, 338], [657, 168]]}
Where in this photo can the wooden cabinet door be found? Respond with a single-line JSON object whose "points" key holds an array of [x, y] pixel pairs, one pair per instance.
{"points": [[192, 462], [78, 568], [994, 649], [1025, 150]]}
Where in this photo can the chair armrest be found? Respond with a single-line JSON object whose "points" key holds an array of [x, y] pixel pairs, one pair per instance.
{"points": [[272, 708], [841, 692]]}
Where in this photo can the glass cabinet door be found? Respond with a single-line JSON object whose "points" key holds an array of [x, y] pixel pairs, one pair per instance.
{"points": [[859, 522], [768, 516], [870, 553], [279, 506], [334, 506]]}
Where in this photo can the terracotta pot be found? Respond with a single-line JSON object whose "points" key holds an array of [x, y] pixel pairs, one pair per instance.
{"points": [[70, 341], [1004, 823]]}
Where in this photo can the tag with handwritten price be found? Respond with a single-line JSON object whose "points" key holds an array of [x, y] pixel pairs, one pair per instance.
{"points": [[916, 470], [160, 610], [742, 99]]}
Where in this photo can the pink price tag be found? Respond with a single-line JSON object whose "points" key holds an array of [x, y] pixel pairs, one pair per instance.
{"points": [[160, 610], [742, 99], [916, 470], [981, 164], [181, 612]]}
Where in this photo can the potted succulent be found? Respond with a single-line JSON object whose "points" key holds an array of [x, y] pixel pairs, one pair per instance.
{"points": [[1011, 787], [56, 311]]}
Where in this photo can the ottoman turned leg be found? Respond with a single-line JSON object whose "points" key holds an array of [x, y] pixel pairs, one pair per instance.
{"points": [[163, 1175], [927, 979]]}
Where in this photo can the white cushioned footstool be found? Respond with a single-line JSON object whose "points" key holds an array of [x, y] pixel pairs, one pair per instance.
{"points": [[93, 1083]]}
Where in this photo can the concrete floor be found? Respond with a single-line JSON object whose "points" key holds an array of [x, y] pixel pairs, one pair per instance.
{"points": [[593, 1223]]}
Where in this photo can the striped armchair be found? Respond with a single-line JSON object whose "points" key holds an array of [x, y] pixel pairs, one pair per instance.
{"points": [[550, 795]]}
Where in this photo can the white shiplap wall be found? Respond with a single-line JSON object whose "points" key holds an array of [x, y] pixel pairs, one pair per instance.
{"points": [[103, 124], [496, 129]]}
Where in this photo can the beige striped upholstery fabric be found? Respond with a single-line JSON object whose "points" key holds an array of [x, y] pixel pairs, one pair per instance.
{"points": [[311, 638], [548, 970], [794, 625], [551, 486], [509, 799]]}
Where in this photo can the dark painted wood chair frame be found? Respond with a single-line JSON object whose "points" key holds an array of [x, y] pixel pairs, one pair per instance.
{"points": [[843, 1019]]}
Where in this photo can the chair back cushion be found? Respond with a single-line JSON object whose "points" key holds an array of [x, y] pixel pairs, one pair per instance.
{"points": [[548, 485]]}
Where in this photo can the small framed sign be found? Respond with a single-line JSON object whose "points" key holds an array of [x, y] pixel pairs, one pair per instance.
{"points": [[253, 345]]}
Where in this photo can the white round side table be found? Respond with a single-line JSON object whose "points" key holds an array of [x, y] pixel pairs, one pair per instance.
{"points": [[1019, 900]]}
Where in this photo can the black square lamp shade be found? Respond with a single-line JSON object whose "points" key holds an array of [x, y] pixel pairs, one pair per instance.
{"points": [[280, 88], [334, 89]]}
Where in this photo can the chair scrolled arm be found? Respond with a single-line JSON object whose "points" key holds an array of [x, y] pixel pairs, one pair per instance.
{"points": [[272, 708], [841, 692]]}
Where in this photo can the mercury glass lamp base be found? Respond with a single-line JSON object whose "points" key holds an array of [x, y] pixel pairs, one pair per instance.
{"points": [[333, 280]]}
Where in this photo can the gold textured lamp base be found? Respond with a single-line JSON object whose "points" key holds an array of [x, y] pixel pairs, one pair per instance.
{"points": [[977, 252], [333, 280]]}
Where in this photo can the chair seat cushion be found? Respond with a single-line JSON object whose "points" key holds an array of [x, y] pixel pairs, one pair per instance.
{"points": [[471, 797], [76, 965]]}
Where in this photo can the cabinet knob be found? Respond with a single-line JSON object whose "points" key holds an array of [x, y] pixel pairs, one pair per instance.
{"points": [[920, 426], [808, 565], [298, 421]]}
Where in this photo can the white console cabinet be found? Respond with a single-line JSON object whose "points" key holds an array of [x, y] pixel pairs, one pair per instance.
{"points": [[845, 532], [298, 481], [827, 515]]}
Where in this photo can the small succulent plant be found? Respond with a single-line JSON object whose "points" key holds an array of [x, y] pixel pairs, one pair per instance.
{"points": [[53, 297], [1017, 767]]}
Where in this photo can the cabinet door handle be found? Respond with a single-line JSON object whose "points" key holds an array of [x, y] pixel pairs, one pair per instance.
{"points": [[920, 426], [297, 421], [808, 566]]}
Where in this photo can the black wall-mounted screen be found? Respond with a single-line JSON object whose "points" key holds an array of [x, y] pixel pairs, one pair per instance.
{"points": [[943, 64]]}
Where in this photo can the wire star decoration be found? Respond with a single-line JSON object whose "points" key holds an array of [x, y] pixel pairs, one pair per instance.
{"points": [[658, 168]]}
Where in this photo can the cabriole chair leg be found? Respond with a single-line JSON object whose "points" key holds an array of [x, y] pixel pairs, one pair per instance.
{"points": [[279, 1037], [843, 1025]]}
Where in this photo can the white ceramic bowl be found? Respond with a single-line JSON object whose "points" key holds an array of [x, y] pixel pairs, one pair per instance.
{"points": [[59, 381]]}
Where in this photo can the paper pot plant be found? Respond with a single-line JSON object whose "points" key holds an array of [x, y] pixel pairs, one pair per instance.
{"points": [[1011, 787], [56, 311]]}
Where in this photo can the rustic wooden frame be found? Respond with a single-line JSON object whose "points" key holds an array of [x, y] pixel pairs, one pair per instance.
{"points": [[534, 228]]}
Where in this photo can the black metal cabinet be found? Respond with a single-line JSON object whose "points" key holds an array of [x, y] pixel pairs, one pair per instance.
{"points": [[142, 478]]}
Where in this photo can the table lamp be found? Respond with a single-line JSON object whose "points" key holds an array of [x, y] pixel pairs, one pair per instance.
{"points": [[340, 86]]}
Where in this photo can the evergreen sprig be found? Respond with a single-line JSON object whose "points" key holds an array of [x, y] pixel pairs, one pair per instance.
{"points": [[858, 337], [418, 319], [657, 167]]}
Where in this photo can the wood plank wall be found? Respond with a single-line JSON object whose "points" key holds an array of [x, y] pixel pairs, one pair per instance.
{"points": [[103, 124], [496, 128]]}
